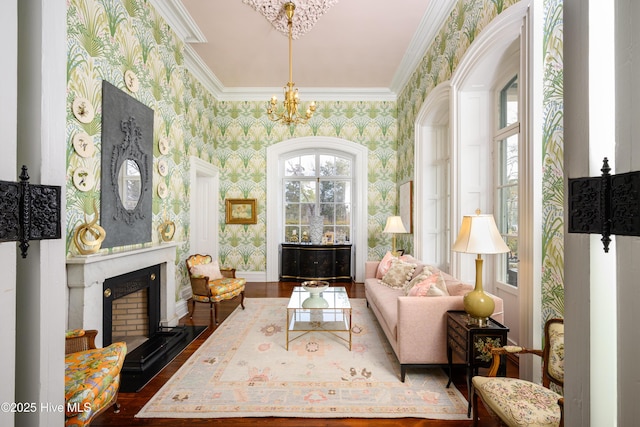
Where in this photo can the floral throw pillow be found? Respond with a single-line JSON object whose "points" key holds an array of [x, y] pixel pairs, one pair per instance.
{"points": [[422, 287], [384, 265], [417, 278], [399, 274], [210, 270]]}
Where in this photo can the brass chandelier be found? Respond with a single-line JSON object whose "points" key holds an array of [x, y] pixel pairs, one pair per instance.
{"points": [[289, 114]]}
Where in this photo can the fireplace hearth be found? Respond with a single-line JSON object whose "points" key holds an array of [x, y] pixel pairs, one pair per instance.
{"points": [[131, 311]]}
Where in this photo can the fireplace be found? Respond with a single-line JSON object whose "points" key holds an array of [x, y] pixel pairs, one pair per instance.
{"points": [[145, 277], [131, 307], [131, 313], [86, 276]]}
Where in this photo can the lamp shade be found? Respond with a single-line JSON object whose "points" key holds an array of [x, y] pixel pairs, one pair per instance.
{"points": [[394, 225], [479, 235]]}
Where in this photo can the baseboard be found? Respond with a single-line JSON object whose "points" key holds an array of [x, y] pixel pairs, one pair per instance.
{"points": [[253, 276], [182, 308]]}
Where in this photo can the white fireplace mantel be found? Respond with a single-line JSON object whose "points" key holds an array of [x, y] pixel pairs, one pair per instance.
{"points": [[86, 275]]}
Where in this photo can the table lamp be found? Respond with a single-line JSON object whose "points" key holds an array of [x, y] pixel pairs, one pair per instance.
{"points": [[479, 235], [394, 225]]}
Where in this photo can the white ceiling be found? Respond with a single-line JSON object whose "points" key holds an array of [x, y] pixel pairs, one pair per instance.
{"points": [[356, 50]]}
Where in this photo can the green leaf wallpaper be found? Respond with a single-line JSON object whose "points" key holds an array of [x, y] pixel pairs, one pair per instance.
{"points": [[106, 38], [553, 165]]}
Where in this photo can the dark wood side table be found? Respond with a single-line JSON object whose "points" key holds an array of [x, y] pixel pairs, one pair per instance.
{"points": [[473, 344]]}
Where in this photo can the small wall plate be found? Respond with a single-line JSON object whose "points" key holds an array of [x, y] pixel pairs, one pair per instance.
{"points": [[163, 145], [83, 110], [163, 168], [131, 81], [83, 144], [163, 191], [82, 179]]}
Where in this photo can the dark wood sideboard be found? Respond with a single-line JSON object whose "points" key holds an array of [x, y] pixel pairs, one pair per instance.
{"points": [[315, 262]]}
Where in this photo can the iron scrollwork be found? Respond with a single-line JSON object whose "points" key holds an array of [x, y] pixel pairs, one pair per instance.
{"points": [[29, 212], [606, 205]]}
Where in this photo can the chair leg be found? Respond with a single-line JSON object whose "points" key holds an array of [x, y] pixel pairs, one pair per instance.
{"points": [[242, 299], [215, 312]]}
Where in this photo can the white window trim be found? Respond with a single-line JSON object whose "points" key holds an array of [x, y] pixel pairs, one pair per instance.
{"points": [[274, 220]]}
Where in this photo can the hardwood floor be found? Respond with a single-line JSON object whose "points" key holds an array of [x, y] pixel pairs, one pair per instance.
{"points": [[131, 403]]}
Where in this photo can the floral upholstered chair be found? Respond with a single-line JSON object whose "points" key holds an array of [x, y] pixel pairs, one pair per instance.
{"points": [[212, 284], [518, 402], [91, 376]]}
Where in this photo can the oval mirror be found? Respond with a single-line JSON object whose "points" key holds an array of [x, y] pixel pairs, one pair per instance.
{"points": [[129, 184]]}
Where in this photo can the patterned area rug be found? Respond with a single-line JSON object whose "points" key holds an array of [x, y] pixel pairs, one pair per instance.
{"points": [[244, 370]]}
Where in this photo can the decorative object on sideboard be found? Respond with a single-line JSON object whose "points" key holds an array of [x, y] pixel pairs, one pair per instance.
{"points": [[479, 235], [127, 162], [606, 205], [394, 226], [29, 212], [289, 114], [89, 236], [241, 211], [316, 222]]}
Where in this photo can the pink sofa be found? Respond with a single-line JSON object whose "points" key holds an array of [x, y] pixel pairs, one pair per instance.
{"points": [[416, 326]]}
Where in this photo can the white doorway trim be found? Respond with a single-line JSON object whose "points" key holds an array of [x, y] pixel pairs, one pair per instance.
{"points": [[275, 203], [202, 169], [435, 112]]}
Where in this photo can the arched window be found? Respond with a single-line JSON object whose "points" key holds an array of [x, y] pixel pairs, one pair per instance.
{"points": [[317, 183]]}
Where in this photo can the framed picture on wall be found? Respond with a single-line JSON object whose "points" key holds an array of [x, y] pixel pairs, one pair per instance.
{"points": [[406, 205], [241, 211]]}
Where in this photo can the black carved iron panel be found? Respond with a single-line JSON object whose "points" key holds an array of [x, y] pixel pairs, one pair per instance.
{"points": [[608, 204], [127, 139], [29, 212]]}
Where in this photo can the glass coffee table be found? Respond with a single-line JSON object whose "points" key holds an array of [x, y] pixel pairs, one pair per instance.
{"points": [[328, 311]]}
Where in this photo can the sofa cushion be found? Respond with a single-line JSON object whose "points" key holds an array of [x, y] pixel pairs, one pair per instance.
{"points": [[384, 265], [417, 278], [421, 287], [399, 274], [385, 299], [420, 266]]}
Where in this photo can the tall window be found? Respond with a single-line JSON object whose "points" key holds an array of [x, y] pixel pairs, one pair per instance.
{"points": [[506, 166], [318, 183]]}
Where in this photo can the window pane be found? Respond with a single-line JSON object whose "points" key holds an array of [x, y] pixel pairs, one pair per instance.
{"points": [[343, 166], [327, 211], [292, 213], [509, 103], [342, 214], [342, 191], [326, 191], [307, 210], [292, 191], [327, 165], [300, 166], [308, 191]]}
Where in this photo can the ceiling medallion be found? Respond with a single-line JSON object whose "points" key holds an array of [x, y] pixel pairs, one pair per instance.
{"points": [[307, 14]]}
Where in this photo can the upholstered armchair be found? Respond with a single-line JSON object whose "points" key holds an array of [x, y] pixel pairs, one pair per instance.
{"points": [[212, 284], [91, 377], [518, 402]]}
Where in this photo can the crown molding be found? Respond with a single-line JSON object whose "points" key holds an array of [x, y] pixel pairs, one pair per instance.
{"points": [[176, 15], [432, 20]]}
